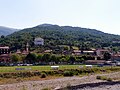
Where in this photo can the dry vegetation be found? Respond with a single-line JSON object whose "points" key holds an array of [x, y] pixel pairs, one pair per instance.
{"points": [[51, 79]]}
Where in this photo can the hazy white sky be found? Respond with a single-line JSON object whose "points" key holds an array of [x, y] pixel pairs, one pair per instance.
{"points": [[103, 15]]}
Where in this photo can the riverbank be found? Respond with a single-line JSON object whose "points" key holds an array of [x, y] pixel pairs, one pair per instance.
{"points": [[63, 82], [95, 86]]}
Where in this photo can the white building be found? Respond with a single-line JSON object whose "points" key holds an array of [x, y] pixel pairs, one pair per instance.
{"points": [[39, 41]]}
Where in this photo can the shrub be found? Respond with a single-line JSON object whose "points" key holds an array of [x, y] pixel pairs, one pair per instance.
{"points": [[103, 78], [37, 73], [98, 77], [46, 89], [19, 74], [7, 75], [68, 73], [50, 72], [109, 79], [43, 75], [19, 80]]}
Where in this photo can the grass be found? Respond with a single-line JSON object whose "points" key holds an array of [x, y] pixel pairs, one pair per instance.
{"points": [[5, 69], [33, 68], [8, 77], [104, 78], [18, 80], [44, 68]]}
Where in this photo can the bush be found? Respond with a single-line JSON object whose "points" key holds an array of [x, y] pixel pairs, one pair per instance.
{"points": [[98, 77], [7, 75], [68, 73], [43, 75], [19, 74], [37, 73], [109, 79], [103, 78], [46, 89]]}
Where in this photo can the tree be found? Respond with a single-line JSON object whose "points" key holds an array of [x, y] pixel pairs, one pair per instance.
{"points": [[31, 58], [115, 49], [107, 56], [72, 59], [79, 59], [46, 58], [23, 57], [2, 36], [66, 48], [15, 58], [62, 59], [39, 58], [53, 59]]}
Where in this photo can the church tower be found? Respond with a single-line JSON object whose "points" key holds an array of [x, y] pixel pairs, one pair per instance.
{"points": [[27, 47]]}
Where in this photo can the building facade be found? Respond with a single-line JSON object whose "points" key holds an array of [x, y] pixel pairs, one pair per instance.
{"points": [[39, 41], [101, 52], [4, 54], [4, 50]]}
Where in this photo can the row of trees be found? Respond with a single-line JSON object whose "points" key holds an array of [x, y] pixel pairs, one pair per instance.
{"points": [[48, 58], [34, 58]]}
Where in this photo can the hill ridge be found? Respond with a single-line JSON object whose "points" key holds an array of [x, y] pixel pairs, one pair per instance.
{"points": [[55, 35]]}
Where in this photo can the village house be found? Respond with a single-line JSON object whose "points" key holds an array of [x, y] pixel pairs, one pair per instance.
{"points": [[4, 50], [101, 52], [4, 54], [95, 62], [4, 58], [39, 41], [79, 52], [90, 52], [115, 57], [76, 52], [48, 51], [18, 51], [24, 52]]}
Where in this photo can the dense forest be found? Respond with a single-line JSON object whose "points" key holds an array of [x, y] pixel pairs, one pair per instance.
{"points": [[55, 35]]}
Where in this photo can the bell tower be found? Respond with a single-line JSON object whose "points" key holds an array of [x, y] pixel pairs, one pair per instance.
{"points": [[27, 47]]}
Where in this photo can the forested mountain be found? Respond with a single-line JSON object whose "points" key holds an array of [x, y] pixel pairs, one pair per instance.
{"points": [[55, 35], [6, 31]]}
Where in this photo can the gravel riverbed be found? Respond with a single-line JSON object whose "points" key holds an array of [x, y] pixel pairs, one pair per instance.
{"points": [[75, 81]]}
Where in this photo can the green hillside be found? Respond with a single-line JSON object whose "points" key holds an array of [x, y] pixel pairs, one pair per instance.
{"points": [[6, 31], [55, 35]]}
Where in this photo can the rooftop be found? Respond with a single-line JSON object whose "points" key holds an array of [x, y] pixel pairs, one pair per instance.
{"points": [[39, 38], [5, 47]]}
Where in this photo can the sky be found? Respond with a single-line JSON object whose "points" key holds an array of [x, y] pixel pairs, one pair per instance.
{"points": [[103, 15]]}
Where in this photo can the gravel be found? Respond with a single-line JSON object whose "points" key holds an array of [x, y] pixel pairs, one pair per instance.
{"points": [[56, 84], [103, 87]]}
